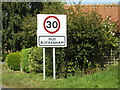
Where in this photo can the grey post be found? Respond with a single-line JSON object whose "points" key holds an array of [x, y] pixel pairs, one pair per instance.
{"points": [[54, 63], [43, 63]]}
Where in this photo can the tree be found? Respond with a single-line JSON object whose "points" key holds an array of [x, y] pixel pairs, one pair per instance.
{"points": [[12, 17], [13, 14], [27, 37], [88, 39]]}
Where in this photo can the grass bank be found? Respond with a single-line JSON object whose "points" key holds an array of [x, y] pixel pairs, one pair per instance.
{"points": [[107, 78]]}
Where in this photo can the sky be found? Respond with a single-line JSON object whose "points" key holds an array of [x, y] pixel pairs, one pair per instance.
{"points": [[95, 1]]}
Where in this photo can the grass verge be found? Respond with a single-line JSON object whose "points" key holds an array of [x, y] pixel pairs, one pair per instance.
{"points": [[107, 78]]}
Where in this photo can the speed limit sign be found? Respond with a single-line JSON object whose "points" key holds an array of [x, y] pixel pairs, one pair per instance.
{"points": [[51, 24], [51, 30]]}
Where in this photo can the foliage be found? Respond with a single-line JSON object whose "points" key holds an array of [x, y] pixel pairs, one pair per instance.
{"points": [[61, 68], [53, 8], [28, 34], [90, 37], [49, 61], [24, 55], [32, 60], [13, 15], [35, 60], [13, 61]]}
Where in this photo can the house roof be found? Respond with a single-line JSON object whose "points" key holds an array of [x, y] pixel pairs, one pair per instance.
{"points": [[105, 10]]}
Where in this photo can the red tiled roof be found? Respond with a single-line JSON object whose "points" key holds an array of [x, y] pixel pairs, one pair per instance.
{"points": [[112, 10]]}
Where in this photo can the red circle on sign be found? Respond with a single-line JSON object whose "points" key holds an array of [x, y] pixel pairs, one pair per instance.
{"points": [[58, 24]]}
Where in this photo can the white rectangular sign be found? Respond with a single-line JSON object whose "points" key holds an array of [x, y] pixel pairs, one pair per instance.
{"points": [[51, 41], [51, 30]]}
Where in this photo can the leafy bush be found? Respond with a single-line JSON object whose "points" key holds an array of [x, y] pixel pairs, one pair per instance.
{"points": [[24, 59], [32, 60], [49, 61], [35, 60], [13, 61], [61, 67], [88, 38]]}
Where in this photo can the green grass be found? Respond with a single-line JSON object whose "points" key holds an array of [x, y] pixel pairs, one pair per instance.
{"points": [[103, 79]]}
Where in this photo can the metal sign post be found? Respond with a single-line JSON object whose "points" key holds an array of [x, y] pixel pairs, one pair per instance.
{"points": [[43, 63], [54, 63]]}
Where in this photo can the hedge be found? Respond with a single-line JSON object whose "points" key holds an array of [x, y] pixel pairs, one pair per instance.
{"points": [[13, 61], [32, 60], [35, 60], [24, 55]]}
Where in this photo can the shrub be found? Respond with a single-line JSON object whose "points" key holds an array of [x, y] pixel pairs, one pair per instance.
{"points": [[35, 60], [88, 38], [49, 61], [13, 61], [61, 63], [24, 59], [32, 61]]}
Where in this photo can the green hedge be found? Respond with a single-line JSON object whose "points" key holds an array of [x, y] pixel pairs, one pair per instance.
{"points": [[13, 61], [35, 60], [24, 55], [32, 61]]}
